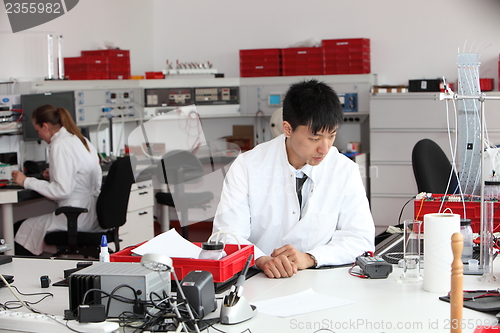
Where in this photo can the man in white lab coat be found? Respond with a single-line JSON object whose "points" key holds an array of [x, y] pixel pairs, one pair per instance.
{"points": [[260, 204]]}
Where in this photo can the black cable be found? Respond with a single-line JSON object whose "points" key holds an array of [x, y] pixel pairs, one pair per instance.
{"points": [[399, 225], [7, 307]]}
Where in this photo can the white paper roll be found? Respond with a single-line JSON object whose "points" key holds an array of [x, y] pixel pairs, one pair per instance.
{"points": [[438, 256]]}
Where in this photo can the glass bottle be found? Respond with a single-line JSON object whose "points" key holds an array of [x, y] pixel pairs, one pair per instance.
{"points": [[466, 231], [212, 251]]}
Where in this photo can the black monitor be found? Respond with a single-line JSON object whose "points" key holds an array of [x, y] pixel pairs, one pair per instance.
{"points": [[29, 103]]}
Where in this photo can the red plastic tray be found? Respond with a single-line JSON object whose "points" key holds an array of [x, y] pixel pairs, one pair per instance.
{"points": [[222, 270], [472, 211]]}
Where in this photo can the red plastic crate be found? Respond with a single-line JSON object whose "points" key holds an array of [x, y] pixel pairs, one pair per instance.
{"points": [[302, 61], [349, 45], [119, 67], [86, 68], [154, 75], [260, 62], [222, 270], [257, 70], [122, 75], [486, 84], [472, 211]]}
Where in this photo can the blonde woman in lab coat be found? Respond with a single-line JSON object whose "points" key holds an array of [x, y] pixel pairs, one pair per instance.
{"points": [[260, 205], [74, 179]]}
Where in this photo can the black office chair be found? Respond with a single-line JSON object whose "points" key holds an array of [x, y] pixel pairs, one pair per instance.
{"points": [[111, 211], [432, 168], [176, 168]]}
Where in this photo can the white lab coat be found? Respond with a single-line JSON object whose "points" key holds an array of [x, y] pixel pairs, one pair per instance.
{"points": [[259, 205], [75, 180]]}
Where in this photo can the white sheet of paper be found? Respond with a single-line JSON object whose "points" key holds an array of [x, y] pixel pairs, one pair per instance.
{"points": [[169, 243], [296, 304]]}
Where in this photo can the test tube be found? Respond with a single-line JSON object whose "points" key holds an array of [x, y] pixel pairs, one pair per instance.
{"points": [[50, 57], [411, 252]]}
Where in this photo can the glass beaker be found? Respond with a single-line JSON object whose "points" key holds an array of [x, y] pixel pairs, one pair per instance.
{"points": [[411, 251], [491, 198]]}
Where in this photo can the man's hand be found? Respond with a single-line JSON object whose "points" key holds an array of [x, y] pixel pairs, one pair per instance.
{"points": [[18, 177], [46, 174], [300, 259], [277, 267]]}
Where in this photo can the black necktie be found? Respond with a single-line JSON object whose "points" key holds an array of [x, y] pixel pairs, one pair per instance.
{"points": [[300, 184]]}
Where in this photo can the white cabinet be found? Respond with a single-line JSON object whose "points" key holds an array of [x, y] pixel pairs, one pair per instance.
{"points": [[397, 123], [140, 222]]}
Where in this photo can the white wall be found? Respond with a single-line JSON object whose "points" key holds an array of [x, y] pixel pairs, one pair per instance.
{"points": [[409, 39], [92, 23]]}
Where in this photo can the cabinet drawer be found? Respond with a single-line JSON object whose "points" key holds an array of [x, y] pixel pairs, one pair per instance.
{"points": [[140, 198], [397, 146], [392, 179], [142, 185], [138, 228]]}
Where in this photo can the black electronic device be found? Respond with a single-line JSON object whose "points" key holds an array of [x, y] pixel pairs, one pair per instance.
{"points": [[44, 281], [5, 259], [374, 267], [198, 286], [8, 278], [29, 102]]}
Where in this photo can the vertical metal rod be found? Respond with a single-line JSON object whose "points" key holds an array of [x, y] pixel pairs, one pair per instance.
{"points": [[60, 57], [482, 254], [50, 53], [110, 136]]}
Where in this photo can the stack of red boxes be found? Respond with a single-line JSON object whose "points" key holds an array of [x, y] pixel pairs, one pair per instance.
{"points": [[260, 62], [335, 56], [109, 64], [346, 56], [302, 61], [486, 84]]}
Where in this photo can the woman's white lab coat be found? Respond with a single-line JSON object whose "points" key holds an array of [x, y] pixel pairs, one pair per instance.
{"points": [[259, 205], [75, 180]]}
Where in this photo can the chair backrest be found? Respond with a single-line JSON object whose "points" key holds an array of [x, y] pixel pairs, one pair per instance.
{"points": [[432, 168], [112, 202], [179, 166]]}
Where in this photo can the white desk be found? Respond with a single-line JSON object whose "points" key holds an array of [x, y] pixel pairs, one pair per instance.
{"points": [[382, 305], [7, 199]]}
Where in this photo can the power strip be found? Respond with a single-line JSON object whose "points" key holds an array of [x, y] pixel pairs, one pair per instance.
{"points": [[34, 322]]}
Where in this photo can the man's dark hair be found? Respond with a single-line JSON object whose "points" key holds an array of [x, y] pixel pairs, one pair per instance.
{"points": [[313, 104]]}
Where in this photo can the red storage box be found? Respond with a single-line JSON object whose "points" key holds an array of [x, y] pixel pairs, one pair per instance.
{"points": [[222, 270], [154, 75], [346, 56], [348, 45], [302, 61], [472, 210], [486, 84], [125, 75], [260, 62], [86, 68]]}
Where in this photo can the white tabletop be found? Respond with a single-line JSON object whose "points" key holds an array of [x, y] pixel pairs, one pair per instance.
{"points": [[381, 305]]}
